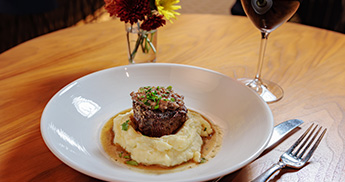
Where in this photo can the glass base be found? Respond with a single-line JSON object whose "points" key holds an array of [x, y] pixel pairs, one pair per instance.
{"points": [[269, 91]]}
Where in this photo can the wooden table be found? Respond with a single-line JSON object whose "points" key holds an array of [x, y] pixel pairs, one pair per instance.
{"points": [[307, 62]]}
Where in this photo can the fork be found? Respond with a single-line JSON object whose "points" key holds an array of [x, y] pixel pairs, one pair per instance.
{"points": [[295, 159]]}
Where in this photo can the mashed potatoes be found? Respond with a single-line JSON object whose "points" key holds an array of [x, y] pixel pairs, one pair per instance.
{"points": [[168, 150]]}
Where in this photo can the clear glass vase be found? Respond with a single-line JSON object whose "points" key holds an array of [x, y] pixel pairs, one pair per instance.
{"points": [[142, 45]]}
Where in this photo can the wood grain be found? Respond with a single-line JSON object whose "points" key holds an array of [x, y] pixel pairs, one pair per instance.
{"points": [[307, 62]]}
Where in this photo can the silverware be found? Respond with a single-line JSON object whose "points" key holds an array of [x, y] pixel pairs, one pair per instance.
{"points": [[295, 159], [279, 132]]}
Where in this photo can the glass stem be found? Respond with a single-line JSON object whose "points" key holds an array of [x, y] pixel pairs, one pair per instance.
{"points": [[264, 37]]}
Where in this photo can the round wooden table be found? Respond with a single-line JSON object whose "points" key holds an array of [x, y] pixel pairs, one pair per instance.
{"points": [[307, 62]]}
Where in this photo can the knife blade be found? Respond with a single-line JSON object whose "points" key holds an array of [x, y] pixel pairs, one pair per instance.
{"points": [[282, 130], [279, 132]]}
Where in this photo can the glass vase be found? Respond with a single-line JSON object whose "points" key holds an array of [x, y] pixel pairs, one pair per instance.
{"points": [[142, 44]]}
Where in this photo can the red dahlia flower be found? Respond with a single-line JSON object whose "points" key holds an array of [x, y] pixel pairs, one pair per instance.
{"points": [[131, 11], [110, 7], [153, 22]]}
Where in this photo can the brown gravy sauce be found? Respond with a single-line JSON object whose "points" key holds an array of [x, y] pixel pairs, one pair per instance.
{"points": [[210, 147]]}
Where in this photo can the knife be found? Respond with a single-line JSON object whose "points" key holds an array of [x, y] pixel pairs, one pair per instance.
{"points": [[282, 130], [279, 132]]}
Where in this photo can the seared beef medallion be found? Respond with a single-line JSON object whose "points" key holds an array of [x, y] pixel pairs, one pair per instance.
{"points": [[158, 111]]}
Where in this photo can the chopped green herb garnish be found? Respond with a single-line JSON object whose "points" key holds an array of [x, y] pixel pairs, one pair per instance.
{"points": [[154, 93], [126, 157], [203, 160], [120, 154], [150, 95], [133, 163], [147, 103], [125, 125], [205, 129]]}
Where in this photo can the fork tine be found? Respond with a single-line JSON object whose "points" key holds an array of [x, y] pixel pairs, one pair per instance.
{"points": [[305, 141], [299, 140], [310, 153], [309, 143]]}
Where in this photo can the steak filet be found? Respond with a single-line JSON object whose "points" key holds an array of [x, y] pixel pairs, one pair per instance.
{"points": [[158, 111]]}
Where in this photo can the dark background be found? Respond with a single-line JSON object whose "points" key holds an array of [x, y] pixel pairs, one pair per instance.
{"points": [[22, 20]]}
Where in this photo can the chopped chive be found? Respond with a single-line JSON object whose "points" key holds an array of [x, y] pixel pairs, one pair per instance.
{"points": [[205, 129], [155, 94], [203, 160], [125, 125], [133, 163], [126, 157]]}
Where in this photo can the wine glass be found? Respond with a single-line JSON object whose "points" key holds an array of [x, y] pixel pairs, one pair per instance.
{"points": [[267, 15]]}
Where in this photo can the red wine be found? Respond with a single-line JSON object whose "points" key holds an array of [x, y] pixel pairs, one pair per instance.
{"points": [[267, 15]]}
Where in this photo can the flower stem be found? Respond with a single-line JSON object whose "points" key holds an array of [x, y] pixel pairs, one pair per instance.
{"points": [[149, 42], [143, 40], [136, 46]]}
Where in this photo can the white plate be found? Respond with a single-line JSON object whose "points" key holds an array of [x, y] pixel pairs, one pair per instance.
{"points": [[72, 120]]}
